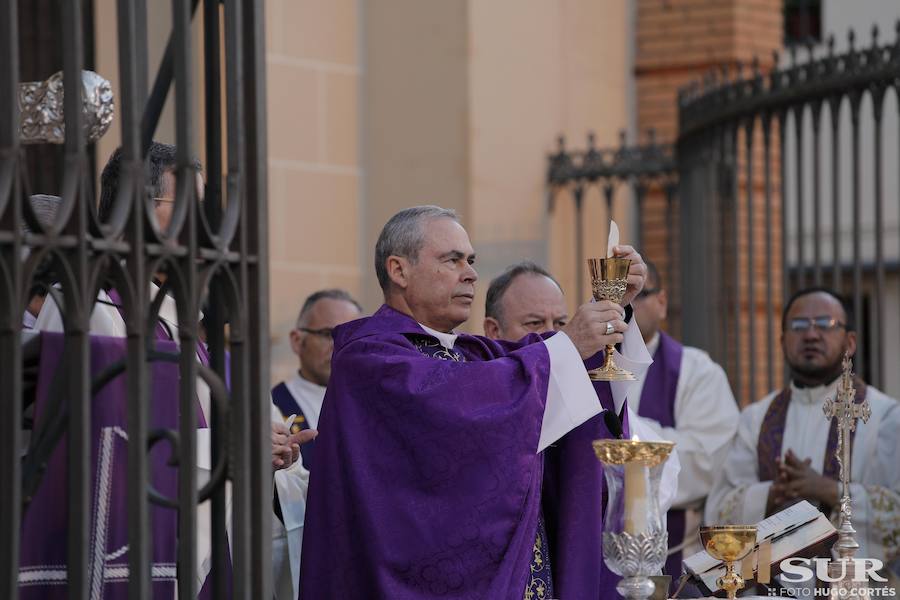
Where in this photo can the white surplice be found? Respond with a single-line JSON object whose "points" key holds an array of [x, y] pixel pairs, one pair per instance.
{"points": [[706, 417], [738, 496], [291, 485]]}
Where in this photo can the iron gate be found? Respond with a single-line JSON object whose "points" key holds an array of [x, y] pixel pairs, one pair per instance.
{"points": [[214, 256]]}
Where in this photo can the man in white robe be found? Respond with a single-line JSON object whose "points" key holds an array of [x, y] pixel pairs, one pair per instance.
{"points": [[684, 398], [783, 451], [301, 396]]}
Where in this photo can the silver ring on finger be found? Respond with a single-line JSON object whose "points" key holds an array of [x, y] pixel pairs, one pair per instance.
{"points": [[609, 328]]}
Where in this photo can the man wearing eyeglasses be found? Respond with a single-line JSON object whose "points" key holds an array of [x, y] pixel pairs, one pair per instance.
{"points": [[685, 398], [784, 448], [302, 396]]}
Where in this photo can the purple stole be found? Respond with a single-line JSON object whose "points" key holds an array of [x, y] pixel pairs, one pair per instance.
{"points": [[287, 404], [658, 403], [771, 436]]}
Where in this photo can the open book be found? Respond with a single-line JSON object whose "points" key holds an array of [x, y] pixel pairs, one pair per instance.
{"points": [[799, 530]]}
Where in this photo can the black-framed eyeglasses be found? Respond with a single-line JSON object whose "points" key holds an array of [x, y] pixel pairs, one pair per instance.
{"points": [[804, 324], [325, 332], [646, 292]]}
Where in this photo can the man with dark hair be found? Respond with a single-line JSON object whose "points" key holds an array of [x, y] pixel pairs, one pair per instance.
{"points": [[162, 162], [525, 299], [784, 448], [301, 397]]}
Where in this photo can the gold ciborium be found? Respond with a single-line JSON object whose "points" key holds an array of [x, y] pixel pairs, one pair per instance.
{"points": [[609, 280], [729, 543]]}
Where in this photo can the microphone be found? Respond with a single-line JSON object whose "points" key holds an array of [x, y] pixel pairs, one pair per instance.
{"points": [[613, 423]]}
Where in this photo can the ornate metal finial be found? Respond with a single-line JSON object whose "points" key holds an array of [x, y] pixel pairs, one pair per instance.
{"points": [[846, 410], [874, 35], [591, 140], [830, 44], [622, 139], [561, 143], [851, 39], [41, 118]]}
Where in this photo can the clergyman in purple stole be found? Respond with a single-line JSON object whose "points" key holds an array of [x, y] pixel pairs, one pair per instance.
{"points": [[574, 498], [658, 403], [42, 572], [427, 481]]}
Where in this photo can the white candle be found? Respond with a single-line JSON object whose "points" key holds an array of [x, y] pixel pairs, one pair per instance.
{"points": [[637, 507]]}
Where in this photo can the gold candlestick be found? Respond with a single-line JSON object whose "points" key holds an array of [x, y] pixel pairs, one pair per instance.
{"points": [[609, 280]]}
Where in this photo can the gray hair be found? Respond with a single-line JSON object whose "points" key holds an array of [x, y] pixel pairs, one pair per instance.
{"points": [[500, 283], [332, 294], [403, 235]]}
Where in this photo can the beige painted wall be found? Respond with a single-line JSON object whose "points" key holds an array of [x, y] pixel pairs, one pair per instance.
{"points": [[315, 174], [539, 69]]}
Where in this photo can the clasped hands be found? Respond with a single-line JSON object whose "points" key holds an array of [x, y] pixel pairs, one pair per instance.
{"points": [[797, 480]]}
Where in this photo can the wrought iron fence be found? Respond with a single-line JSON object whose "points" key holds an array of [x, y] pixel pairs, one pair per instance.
{"points": [[778, 192], [213, 255], [778, 181], [643, 169]]}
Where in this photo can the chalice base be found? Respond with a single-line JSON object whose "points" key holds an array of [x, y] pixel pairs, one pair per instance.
{"points": [[610, 371], [636, 588]]}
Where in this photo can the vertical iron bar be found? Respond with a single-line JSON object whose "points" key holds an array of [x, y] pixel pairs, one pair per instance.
{"points": [[214, 314], [799, 172], [723, 228], [836, 275], [816, 108], [859, 359], [640, 191], [240, 458], [10, 345], [751, 300], [133, 86], [77, 341], [578, 193], [255, 242], [767, 166], [785, 272], [671, 263], [187, 473], [734, 203], [878, 296]]}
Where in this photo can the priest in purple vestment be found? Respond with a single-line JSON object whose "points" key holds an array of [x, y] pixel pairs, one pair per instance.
{"points": [[685, 398], [526, 299], [429, 461]]}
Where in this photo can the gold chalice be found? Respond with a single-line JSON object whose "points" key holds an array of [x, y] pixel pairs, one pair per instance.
{"points": [[609, 280], [729, 543]]}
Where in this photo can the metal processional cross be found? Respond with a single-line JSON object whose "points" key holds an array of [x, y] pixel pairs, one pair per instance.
{"points": [[846, 411]]}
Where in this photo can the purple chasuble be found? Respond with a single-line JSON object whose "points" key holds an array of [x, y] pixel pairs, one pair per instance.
{"points": [[771, 436], [658, 403], [427, 484], [42, 572]]}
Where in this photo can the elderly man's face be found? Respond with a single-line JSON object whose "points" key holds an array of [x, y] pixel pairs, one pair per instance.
{"points": [[313, 343], [532, 303], [440, 283], [816, 337]]}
